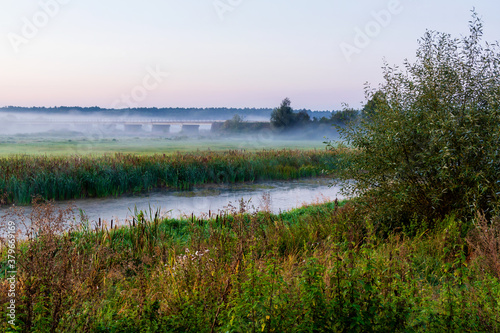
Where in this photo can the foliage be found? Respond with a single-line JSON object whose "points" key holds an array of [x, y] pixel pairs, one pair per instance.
{"points": [[238, 125], [374, 102], [320, 268], [429, 146], [302, 118], [234, 124], [344, 117], [283, 118]]}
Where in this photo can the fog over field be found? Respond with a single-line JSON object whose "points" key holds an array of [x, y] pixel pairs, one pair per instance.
{"points": [[74, 123], [45, 123], [71, 132]]}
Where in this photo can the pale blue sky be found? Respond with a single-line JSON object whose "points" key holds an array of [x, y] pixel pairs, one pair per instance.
{"points": [[89, 52]]}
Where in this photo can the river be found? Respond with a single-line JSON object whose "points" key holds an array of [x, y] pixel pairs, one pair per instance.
{"points": [[275, 196]]}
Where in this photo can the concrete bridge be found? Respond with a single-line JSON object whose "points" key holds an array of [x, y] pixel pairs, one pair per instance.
{"points": [[131, 125]]}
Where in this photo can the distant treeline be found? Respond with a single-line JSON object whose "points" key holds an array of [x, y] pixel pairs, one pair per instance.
{"points": [[211, 113], [283, 120]]}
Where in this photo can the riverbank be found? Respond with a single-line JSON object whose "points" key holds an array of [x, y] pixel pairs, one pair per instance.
{"points": [[320, 267], [74, 177]]}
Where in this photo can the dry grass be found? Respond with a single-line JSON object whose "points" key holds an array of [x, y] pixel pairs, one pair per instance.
{"points": [[484, 241]]}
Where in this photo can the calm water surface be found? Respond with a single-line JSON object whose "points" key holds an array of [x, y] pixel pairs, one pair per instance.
{"points": [[283, 195]]}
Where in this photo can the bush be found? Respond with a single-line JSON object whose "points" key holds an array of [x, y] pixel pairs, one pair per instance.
{"points": [[428, 146]]}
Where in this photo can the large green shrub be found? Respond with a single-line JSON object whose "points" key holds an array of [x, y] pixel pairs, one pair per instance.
{"points": [[429, 145]]}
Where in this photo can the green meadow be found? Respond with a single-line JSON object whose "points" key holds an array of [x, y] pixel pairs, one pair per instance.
{"points": [[143, 145]]}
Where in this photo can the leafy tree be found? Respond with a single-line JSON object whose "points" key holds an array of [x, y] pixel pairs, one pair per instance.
{"points": [[283, 117], [233, 124], [302, 118], [373, 103], [431, 145], [343, 117]]}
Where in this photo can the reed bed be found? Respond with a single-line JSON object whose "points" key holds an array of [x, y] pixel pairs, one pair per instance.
{"points": [[60, 178]]}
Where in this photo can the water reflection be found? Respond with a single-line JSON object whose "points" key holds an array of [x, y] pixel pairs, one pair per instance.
{"points": [[282, 195]]}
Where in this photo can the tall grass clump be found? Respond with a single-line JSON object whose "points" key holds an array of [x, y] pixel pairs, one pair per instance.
{"points": [[60, 178]]}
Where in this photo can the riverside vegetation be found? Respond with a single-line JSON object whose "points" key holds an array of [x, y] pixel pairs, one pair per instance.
{"points": [[23, 177], [320, 268], [417, 250]]}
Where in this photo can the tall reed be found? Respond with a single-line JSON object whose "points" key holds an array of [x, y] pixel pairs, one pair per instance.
{"points": [[24, 177]]}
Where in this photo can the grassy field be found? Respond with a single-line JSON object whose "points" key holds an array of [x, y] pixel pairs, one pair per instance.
{"points": [[321, 268], [142, 146]]}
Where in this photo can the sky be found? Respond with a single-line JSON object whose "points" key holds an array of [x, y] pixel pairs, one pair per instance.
{"points": [[214, 53]]}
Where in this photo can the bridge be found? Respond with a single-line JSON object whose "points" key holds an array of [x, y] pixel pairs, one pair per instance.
{"points": [[129, 125]]}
